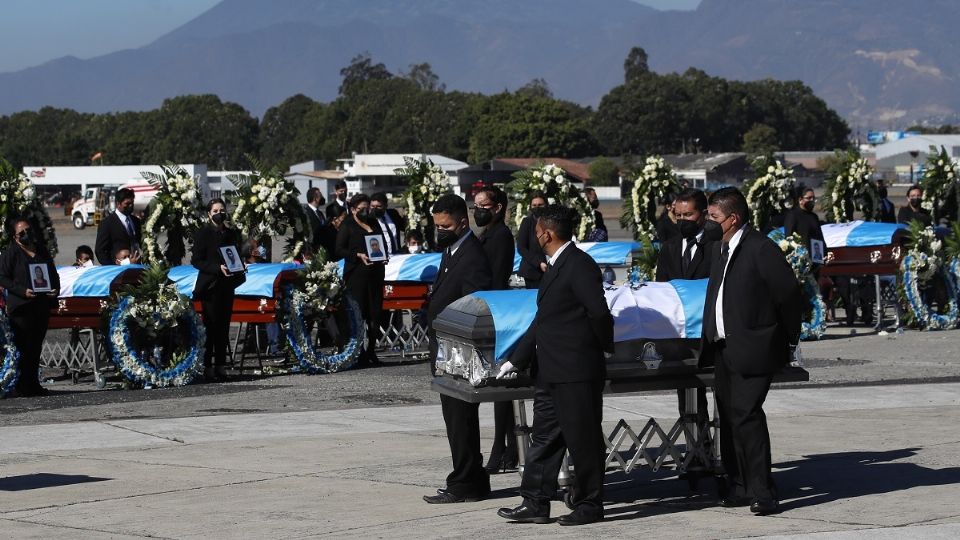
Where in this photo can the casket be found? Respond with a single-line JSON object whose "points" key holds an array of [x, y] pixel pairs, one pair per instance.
{"points": [[656, 331], [256, 299], [863, 248], [84, 293]]}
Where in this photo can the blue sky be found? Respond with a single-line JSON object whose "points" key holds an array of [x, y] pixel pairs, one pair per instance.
{"points": [[36, 31]]}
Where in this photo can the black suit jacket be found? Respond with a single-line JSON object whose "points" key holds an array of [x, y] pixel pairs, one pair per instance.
{"points": [[531, 255], [762, 306], [351, 239], [497, 242], [206, 258], [465, 272], [316, 220], [669, 261], [573, 325], [907, 214], [15, 276], [804, 223], [400, 223], [111, 235]]}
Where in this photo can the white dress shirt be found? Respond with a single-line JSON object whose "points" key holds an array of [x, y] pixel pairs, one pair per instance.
{"points": [[389, 229], [556, 254], [696, 245], [718, 313]]}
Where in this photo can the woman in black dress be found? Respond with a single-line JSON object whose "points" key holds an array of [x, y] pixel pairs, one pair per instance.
{"points": [[363, 278], [533, 263], [215, 286]]}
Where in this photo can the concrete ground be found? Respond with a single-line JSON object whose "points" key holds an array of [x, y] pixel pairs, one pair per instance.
{"points": [[866, 449]]}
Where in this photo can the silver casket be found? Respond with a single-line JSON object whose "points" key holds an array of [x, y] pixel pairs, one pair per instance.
{"points": [[648, 338]]}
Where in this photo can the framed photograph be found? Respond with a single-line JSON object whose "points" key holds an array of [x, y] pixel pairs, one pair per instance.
{"points": [[816, 251], [231, 259], [40, 278], [376, 247]]}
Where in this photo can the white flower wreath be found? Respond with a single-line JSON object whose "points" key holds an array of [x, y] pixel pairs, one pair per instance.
{"points": [[426, 182], [174, 211], [19, 197], [552, 181], [799, 260], [922, 264], [769, 193], [655, 181], [851, 185]]}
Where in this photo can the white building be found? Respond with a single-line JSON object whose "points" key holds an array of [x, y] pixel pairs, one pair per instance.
{"points": [[910, 154], [369, 173], [79, 179]]}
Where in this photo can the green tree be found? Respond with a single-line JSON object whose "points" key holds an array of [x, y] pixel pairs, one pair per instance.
{"points": [[361, 69], [423, 76], [203, 129], [537, 88], [604, 172], [635, 64], [279, 137], [760, 140]]}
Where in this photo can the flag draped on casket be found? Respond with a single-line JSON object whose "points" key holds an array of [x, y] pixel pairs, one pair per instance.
{"points": [[261, 278], [671, 310], [423, 267], [89, 281], [859, 233]]}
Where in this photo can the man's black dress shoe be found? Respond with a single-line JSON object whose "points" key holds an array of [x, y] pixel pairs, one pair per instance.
{"points": [[445, 497], [762, 507], [734, 502], [579, 518], [524, 514]]}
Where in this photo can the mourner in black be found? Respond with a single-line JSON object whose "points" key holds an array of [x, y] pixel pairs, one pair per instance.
{"points": [[215, 286], [363, 278], [913, 210], [802, 219], [464, 269], [339, 197], [328, 232], [315, 216], [569, 334], [888, 213], [599, 233], [685, 257], [751, 327], [489, 212], [28, 310], [666, 224], [391, 223], [119, 227], [533, 263]]}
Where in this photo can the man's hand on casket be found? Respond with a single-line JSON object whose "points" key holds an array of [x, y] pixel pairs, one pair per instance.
{"points": [[507, 371]]}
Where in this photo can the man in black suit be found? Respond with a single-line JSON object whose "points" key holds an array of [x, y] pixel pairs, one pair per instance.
{"points": [[532, 261], [390, 221], [913, 210], [569, 334], [751, 327], [684, 257], [464, 269], [339, 197], [120, 227], [315, 216]]}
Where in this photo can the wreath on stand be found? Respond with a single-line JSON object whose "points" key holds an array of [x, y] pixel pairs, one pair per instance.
{"points": [[9, 372], [19, 197], [266, 205], [552, 181], [922, 269], [848, 188], [174, 212], [426, 182], [316, 295], [770, 193], [940, 184], [952, 251], [814, 324], [155, 336], [655, 181]]}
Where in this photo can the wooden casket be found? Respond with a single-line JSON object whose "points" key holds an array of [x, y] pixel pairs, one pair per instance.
{"points": [[85, 292], [863, 248], [255, 301]]}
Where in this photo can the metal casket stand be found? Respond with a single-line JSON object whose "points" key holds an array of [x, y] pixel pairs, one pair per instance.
{"points": [[467, 337]]}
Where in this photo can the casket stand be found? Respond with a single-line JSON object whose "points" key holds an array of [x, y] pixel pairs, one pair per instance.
{"points": [[467, 334]]}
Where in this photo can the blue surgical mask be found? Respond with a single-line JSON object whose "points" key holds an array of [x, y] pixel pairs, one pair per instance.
{"points": [[261, 252]]}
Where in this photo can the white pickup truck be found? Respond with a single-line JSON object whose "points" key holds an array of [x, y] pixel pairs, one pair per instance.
{"points": [[102, 199]]}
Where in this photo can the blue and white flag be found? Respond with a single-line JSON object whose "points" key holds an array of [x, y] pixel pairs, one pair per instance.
{"points": [[672, 310], [859, 233], [90, 281], [259, 282]]}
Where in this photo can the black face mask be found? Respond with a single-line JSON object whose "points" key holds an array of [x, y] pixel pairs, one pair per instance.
{"points": [[807, 205], [379, 212], [446, 238], [219, 218], [364, 215], [27, 240], [915, 203], [688, 228], [883, 192], [595, 204], [712, 231], [482, 216], [127, 210]]}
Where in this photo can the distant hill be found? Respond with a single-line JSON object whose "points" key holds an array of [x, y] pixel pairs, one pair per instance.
{"points": [[880, 63]]}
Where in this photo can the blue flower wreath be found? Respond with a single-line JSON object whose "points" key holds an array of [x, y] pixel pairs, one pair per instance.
{"points": [[294, 306], [135, 368], [920, 310], [11, 357], [817, 324]]}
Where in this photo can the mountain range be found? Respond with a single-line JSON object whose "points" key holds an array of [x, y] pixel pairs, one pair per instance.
{"points": [[880, 63]]}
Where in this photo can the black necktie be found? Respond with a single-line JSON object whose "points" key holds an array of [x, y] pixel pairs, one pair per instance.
{"points": [[687, 257], [130, 231]]}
